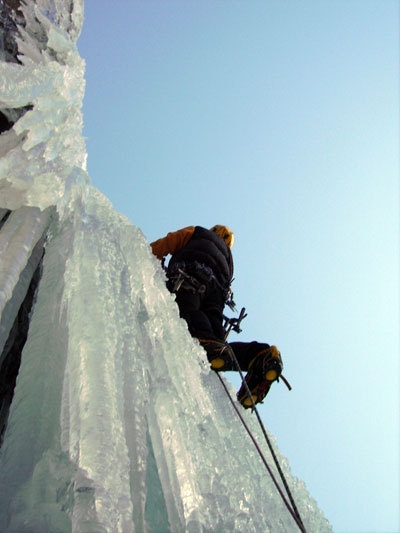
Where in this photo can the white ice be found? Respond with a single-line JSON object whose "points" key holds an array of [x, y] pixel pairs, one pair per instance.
{"points": [[117, 423]]}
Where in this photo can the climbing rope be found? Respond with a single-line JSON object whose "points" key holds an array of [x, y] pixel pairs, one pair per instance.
{"points": [[292, 508]]}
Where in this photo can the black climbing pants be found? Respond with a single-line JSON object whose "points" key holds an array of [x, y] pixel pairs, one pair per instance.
{"points": [[246, 351], [203, 311]]}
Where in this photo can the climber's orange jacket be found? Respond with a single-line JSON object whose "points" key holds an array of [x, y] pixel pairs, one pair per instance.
{"points": [[172, 242]]}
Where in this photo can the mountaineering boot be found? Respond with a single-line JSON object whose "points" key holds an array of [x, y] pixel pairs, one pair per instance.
{"points": [[264, 369], [219, 354]]}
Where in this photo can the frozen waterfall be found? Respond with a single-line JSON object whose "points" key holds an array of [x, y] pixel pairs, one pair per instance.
{"points": [[116, 423]]}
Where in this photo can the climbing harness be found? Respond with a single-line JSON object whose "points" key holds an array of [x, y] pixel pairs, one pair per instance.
{"points": [[234, 324], [183, 280], [195, 277]]}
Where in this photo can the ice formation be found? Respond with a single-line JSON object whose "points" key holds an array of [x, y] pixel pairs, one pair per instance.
{"points": [[116, 423]]}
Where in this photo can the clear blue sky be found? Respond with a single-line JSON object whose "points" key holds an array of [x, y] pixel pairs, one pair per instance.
{"points": [[281, 120]]}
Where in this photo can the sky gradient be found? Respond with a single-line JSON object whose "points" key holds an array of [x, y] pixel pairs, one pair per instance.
{"points": [[280, 120]]}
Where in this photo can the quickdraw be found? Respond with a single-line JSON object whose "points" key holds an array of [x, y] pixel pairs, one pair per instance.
{"points": [[233, 323]]}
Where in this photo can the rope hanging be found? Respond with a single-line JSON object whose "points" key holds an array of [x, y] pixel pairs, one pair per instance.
{"points": [[292, 510], [234, 324]]}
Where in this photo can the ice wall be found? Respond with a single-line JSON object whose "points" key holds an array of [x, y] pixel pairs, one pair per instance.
{"points": [[116, 423]]}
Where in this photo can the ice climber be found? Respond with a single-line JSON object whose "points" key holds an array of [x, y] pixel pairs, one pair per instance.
{"points": [[200, 273]]}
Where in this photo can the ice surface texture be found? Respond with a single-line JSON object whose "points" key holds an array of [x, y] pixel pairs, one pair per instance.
{"points": [[43, 156], [117, 422]]}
